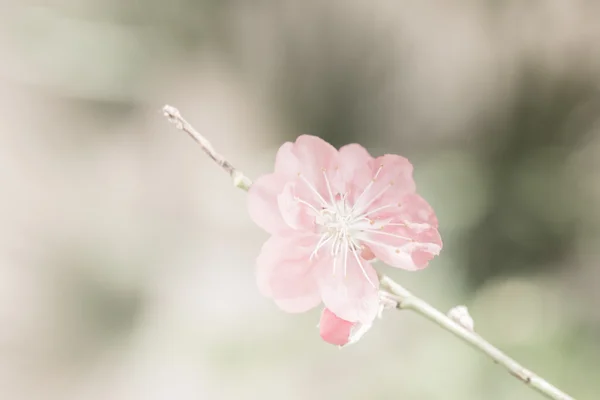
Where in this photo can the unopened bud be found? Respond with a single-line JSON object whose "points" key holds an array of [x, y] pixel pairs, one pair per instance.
{"points": [[240, 180], [460, 315]]}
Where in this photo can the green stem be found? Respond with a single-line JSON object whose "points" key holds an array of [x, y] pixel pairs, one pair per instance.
{"points": [[408, 301]]}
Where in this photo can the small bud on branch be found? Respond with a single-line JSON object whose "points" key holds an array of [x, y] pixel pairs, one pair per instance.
{"points": [[460, 315]]}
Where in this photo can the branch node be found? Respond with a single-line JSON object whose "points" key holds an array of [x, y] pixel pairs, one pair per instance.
{"points": [[460, 315]]}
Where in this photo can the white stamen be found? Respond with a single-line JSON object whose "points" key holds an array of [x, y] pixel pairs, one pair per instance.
{"points": [[377, 196], [308, 204], [380, 232], [344, 207], [324, 239], [340, 243], [345, 257], [365, 240], [315, 191], [361, 267], [334, 244], [367, 187], [379, 209], [329, 189]]}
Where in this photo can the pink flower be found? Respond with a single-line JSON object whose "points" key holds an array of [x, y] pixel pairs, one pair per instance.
{"points": [[329, 214]]}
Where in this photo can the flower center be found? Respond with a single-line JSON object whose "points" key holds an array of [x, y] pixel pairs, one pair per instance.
{"points": [[347, 229], [340, 224], [338, 227]]}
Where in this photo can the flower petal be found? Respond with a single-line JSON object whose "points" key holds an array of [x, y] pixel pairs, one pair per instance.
{"points": [[317, 159], [285, 273], [397, 169], [406, 238], [314, 153], [309, 155], [354, 170], [355, 163], [263, 206], [411, 256], [418, 212], [338, 331], [334, 329], [298, 214], [391, 179], [300, 304], [351, 294], [354, 157], [286, 163]]}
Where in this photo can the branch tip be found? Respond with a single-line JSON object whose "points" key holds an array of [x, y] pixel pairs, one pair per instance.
{"points": [[174, 116]]}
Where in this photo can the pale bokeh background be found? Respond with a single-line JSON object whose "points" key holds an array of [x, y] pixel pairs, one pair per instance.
{"points": [[126, 257]]}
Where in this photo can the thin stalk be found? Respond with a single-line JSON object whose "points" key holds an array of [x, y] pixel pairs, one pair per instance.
{"points": [[408, 301]]}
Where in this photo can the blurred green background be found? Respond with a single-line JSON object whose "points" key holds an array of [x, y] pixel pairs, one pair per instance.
{"points": [[126, 257]]}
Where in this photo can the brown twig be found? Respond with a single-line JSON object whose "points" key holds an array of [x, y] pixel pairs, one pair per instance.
{"points": [[174, 116]]}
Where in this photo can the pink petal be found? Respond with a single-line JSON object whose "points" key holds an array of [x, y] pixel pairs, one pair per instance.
{"points": [[315, 157], [350, 296], [263, 206], [417, 210], [354, 157], [354, 168], [300, 304], [392, 179], [340, 332], [297, 214], [285, 273], [286, 163], [367, 254], [396, 169], [411, 256], [407, 238], [333, 329], [309, 155], [314, 152]]}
